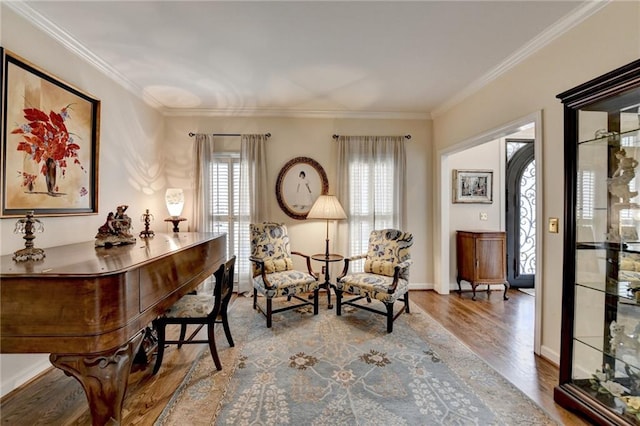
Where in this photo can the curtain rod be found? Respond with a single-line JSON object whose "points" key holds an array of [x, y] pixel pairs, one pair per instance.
{"points": [[191, 134], [405, 136]]}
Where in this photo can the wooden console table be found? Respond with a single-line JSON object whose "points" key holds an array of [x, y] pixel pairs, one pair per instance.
{"points": [[482, 259], [88, 306]]}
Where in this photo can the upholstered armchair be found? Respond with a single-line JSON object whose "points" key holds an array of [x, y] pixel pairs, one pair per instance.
{"points": [[385, 277], [273, 273]]}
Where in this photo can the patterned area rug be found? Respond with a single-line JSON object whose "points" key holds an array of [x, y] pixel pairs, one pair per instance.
{"points": [[329, 370]]}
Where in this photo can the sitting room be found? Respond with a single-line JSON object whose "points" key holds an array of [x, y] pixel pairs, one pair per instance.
{"points": [[302, 173]]}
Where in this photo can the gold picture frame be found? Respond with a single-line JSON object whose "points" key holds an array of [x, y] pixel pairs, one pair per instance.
{"points": [[50, 141]]}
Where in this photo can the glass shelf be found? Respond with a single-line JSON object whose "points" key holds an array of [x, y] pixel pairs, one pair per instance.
{"points": [[614, 140], [622, 356], [621, 289]]}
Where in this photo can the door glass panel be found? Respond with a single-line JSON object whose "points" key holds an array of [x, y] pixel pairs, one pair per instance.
{"points": [[528, 220]]}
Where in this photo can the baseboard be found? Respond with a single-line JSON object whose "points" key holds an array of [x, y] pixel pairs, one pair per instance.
{"points": [[420, 286], [24, 376], [550, 355]]}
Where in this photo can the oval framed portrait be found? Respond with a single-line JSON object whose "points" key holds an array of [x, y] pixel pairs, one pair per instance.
{"points": [[300, 181]]}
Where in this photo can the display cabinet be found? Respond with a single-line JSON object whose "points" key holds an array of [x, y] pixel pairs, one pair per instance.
{"points": [[600, 341]]}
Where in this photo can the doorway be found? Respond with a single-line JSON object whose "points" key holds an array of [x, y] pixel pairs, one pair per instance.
{"points": [[444, 277], [520, 212]]}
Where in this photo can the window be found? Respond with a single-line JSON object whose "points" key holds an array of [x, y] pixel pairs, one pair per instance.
{"points": [[371, 203], [585, 204], [371, 183], [226, 206]]}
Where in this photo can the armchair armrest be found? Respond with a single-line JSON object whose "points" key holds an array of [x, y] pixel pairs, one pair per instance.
{"points": [[396, 273], [260, 263], [403, 265], [308, 259], [345, 270]]}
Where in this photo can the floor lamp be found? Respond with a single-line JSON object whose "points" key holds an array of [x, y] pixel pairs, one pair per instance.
{"points": [[327, 207]]}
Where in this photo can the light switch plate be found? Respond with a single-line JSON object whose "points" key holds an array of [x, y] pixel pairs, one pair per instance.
{"points": [[553, 225]]}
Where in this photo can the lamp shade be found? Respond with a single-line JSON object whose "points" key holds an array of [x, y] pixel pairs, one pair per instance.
{"points": [[327, 207], [174, 197]]}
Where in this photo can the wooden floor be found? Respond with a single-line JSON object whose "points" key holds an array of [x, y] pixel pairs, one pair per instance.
{"points": [[500, 332]]}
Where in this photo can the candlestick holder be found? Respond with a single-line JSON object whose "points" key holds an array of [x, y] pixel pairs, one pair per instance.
{"points": [[28, 226], [147, 218]]}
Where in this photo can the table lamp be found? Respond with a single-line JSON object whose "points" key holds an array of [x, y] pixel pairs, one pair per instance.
{"points": [[174, 197], [327, 207]]}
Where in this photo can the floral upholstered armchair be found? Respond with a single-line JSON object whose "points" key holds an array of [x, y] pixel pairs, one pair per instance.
{"points": [[385, 277], [273, 273]]}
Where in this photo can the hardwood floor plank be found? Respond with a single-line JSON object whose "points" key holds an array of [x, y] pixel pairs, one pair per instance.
{"points": [[500, 332]]}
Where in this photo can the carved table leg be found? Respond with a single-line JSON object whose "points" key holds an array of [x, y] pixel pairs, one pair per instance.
{"points": [[104, 378]]}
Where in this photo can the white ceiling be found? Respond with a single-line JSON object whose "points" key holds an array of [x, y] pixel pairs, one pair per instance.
{"points": [[296, 57]]}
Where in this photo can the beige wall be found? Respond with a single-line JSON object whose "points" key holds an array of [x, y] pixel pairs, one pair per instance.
{"points": [[487, 156], [312, 137], [603, 42], [131, 165], [136, 141]]}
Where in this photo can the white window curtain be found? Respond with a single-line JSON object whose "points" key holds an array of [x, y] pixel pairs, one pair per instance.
{"points": [[203, 191], [229, 194], [371, 185], [255, 192]]}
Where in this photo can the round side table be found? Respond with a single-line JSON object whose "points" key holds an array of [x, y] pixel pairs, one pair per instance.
{"points": [[327, 259]]}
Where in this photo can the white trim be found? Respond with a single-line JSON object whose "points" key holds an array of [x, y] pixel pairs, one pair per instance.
{"points": [[576, 16], [65, 39], [550, 355], [444, 281], [9, 384], [69, 42], [420, 286], [266, 112]]}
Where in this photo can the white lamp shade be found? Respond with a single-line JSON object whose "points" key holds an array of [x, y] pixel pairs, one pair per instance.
{"points": [[327, 207], [174, 197]]}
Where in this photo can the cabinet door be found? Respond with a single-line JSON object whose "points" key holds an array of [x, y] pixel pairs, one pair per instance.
{"points": [[491, 259], [466, 252]]}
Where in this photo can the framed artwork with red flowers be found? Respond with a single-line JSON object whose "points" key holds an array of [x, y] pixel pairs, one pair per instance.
{"points": [[50, 141]]}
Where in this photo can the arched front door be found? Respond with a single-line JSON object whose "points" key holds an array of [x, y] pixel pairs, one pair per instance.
{"points": [[521, 213]]}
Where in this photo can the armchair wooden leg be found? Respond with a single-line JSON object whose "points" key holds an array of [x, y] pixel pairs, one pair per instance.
{"points": [[160, 351], [255, 298], [212, 346], [406, 302], [389, 317], [269, 312], [338, 302]]}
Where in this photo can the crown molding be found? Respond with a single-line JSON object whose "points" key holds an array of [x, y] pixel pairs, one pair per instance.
{"points": [[587, 9], [289, 113], [70, 43]]}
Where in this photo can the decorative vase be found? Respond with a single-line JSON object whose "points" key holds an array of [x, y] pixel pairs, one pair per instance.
{"points": [[50, 175]]}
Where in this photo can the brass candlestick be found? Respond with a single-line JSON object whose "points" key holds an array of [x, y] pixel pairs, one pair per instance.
{"points": [[147, 218]]}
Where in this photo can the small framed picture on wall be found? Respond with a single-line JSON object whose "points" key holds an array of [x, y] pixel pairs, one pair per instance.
{"points": [[473, 186]]}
